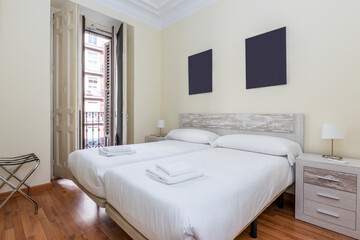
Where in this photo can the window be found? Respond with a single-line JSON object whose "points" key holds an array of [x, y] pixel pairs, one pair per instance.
{"points": [[93, 82], [92, 85], [93, 60], [92, 106], [92, 39], [93, 57]]}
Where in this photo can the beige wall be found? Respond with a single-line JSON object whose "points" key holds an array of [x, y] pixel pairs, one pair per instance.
{"points": [[25, 82], [323, 52], [144, 89], [323, 57]]}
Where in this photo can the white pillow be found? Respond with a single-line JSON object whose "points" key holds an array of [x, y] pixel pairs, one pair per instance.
{"points": [[261, 144], [192, 135]]}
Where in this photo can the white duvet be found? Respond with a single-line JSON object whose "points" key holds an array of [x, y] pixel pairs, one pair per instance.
{"points": [[236, 186], [88, 167]]}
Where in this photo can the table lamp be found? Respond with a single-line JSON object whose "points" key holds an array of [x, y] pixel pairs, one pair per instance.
{"points": [[160, 125], [331, 131]]}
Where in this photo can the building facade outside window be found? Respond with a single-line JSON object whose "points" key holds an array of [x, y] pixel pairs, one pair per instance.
{"points": [[93, 60], [94, 84]]}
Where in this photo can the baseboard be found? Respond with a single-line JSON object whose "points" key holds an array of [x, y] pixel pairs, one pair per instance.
{"points": [[34, 189]]}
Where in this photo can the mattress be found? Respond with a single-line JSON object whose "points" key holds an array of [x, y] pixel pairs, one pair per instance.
{"points": [[237, 185], [88, 167]]}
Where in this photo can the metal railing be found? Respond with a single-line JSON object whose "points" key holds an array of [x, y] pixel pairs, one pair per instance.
{"points": [[94, 134]]}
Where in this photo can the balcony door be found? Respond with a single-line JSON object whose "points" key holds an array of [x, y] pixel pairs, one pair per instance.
{"points": [[86, 86], [97, 94]]}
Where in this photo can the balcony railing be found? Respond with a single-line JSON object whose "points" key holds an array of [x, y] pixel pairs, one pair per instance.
{"points": [[94, 134]]}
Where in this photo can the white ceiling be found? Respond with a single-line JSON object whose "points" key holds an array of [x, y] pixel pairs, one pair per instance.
{"points": [[156, 13]]}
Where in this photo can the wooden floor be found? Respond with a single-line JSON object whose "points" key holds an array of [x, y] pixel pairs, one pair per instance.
{"points": [[65, 212]]}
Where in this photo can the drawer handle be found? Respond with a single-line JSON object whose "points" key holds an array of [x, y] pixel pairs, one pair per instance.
{"points": [[328, 213], [328, 196], [328, 178]]}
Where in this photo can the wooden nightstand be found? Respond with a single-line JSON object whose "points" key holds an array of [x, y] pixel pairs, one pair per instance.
{"points": [[153, 138], [327, 193]]}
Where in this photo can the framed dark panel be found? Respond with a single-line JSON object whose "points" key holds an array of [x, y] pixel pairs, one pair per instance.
{"points": [[266, 59], [200, 72]]}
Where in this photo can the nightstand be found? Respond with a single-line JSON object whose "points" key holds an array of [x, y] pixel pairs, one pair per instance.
{"points": [[327, 193], [153, 138]]}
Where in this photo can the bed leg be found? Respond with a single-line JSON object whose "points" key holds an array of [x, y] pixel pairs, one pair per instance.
{"points": [[253, 232], [280, 201]]}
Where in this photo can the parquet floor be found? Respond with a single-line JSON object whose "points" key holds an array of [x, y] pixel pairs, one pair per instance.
{"points": [[65, 212]]}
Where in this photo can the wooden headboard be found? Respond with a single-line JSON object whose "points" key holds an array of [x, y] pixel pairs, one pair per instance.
{"points": [[289, 126]]}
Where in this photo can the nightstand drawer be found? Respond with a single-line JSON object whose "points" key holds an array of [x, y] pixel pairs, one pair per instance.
{"points": [[330, 179], [330, 214], [329, 196]]}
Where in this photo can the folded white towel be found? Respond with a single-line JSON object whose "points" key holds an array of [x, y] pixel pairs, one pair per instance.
{"points": [[176, 168], [113, 149], [158, 175], [110, 154]]}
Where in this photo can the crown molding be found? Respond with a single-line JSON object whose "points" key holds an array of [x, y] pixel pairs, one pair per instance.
{"points": [[159, 8], [129, 9], [183, 11], [158, 14]]}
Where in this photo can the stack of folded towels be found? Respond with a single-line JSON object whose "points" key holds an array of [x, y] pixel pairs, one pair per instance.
{"points": [[171, 173], [115, 151]]}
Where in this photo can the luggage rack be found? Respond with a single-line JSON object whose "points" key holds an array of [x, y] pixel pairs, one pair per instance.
{"points": [[6, 163]]}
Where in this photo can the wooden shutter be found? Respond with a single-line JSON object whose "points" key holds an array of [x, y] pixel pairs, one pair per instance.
{"points": [[108, 95], [65, 87]]}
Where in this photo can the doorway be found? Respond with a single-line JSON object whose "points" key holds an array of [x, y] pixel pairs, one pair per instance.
{"points": [[103, 81], [95, 75], [89, 82]]}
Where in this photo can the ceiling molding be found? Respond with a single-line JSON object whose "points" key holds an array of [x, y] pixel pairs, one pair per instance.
{"points": [[129, 9], [157, 13], [184, 10]]}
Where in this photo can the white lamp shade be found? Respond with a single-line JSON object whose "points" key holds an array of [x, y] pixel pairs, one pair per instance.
{"points": [[160, 123], [331, 131]]}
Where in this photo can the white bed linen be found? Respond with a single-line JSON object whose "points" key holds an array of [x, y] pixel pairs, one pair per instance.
{"points": [[88, 167], [236, 186]]}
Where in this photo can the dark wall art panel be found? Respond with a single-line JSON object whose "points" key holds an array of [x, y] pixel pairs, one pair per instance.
{"points": [[266, 59], [200, 72]]}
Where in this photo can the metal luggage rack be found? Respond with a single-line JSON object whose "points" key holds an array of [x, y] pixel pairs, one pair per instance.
{"points": [[9, 162]]}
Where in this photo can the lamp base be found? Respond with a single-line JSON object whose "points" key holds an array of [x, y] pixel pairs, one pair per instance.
{"points": [[332, 157]]}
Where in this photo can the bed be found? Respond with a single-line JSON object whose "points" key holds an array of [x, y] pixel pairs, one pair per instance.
{"points": [[88, 167], [242, 184]]}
